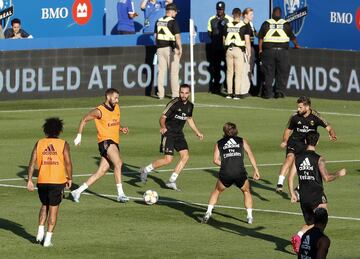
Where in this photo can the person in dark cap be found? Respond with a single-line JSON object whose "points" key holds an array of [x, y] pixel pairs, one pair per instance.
{"points": [[215, 50], [169, 51], [274, 37]]}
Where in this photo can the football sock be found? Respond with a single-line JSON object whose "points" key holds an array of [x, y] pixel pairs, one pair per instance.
{"points": [[210, 208], [41, 231], [300, 234], [249, 213], [82, 188], [173, 177], [281, 179], [120, 189], [149, 168], [48, 238]]}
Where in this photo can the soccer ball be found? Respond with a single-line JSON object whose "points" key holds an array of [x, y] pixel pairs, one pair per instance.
{"points": [[150, 197]]}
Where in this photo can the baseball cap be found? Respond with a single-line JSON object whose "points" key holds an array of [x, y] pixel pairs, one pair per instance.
{"points": [[220, 5]]}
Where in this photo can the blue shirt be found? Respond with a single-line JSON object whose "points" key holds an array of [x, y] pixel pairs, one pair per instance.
{"points": [[124, 8], [152, 13]]}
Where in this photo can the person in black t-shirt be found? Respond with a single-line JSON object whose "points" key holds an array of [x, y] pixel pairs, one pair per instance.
{"points": [[311, 170], [314, 243], [300, 123], [172, 121], [274, 37], [229, 155], [169, 50]]}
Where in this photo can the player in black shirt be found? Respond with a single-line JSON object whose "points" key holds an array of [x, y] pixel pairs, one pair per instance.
{"points": [[304, 121], [229, 155], [311, 170], [172, 121], [314, 243]]}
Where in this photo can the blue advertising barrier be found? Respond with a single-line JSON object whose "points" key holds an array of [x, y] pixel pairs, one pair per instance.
{"points": [[324, 24], [52, 18]]}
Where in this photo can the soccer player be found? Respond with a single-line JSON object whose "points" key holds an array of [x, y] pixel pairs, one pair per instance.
{"points": [[304, 121], [107, 121], [314, 243], [52, 157], [311, 170], [229, 155], [172, 121]]}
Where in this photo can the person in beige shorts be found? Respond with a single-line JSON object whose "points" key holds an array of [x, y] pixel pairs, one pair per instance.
{"points": [[169, 50], [237, 42]]}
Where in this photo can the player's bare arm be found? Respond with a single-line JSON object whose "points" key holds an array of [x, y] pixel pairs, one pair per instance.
{"points": [[326, 175], [192, 125], [162, 122], [285, 139], [31, 168], [322, 247], [291, 183], [217, 160], [68, 165], [332, 134], [252, 159], [92, 115]]}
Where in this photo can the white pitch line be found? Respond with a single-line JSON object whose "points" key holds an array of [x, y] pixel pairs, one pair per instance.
{"points": [[162, 105], [196, 203], [188, 169]]}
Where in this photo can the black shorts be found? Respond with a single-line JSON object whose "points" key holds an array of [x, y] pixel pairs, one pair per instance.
{"points": [[169, 143], [103, 147], [50, 194], [238, 180], [295, 147], [308, 208]]}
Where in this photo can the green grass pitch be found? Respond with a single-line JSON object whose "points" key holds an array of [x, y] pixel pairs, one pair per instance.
{"points": [[99, 227]]}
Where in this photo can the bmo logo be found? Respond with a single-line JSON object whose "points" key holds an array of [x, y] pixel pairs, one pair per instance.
{"points": [[343, 18], [54, 13], [82, 11]]}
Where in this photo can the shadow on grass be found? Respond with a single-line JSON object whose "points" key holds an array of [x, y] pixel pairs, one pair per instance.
{"points": [[17, 229], [196, 212]]}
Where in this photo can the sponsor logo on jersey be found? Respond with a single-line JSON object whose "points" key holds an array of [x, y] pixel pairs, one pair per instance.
{"points": [[182, 117], [50, 151], [231, 143], [305, 244], [305, 165]]}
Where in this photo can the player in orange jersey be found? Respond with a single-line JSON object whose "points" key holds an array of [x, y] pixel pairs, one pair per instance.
{"points": [[107, 121], [52, 156]]}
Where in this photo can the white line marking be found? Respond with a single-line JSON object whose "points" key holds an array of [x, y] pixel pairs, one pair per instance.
{"points": [[199, 105], [188, 169], [194, 203]]}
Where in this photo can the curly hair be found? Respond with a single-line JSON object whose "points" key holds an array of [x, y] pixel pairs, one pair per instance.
{"points": [[53, 127]]}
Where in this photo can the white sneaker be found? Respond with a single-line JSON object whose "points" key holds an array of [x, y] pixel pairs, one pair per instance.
{"points": [[75, 195], [123, 198], [143, 175], [48, 244], [40, 237], [206, 217], [250, 220], [172, 186]]}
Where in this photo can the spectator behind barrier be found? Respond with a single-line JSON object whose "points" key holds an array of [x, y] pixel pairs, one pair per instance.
{"points": [[126, 14], [153, 11], [15, 32]]}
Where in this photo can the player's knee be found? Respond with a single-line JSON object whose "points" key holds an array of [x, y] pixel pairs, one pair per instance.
{"points": [[118, 165], [185, 157], [168, 159]]}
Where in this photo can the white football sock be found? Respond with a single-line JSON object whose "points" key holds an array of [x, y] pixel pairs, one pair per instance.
{"points": [[300, 233], [210, 208], [281, 179], [120, 189], [149, 168], [249, 213], [48, 236], [41, 232], [82, 188], [173, 177]]}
